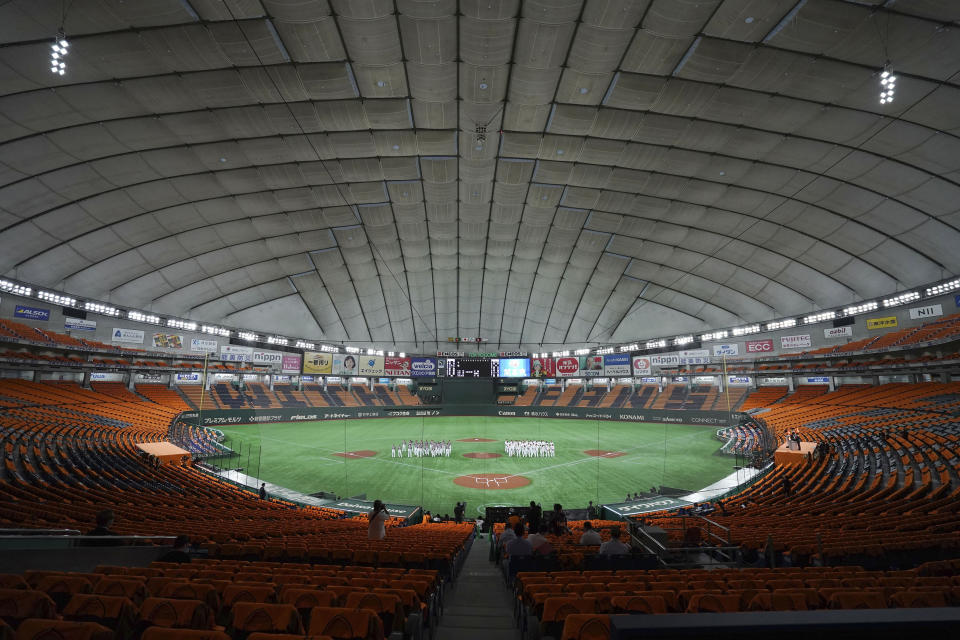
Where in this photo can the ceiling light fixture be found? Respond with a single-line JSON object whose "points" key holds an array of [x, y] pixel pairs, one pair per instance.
{"points": [[888, 83], [58, 54]]}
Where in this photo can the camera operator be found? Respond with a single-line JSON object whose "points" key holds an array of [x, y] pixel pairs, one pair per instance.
{"points": [[378, 517]]}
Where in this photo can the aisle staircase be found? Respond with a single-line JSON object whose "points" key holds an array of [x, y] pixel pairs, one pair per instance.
{"points": [[478, 606]]}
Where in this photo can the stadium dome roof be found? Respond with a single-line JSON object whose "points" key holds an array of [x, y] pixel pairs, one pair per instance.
{"points": [[535, 173]]}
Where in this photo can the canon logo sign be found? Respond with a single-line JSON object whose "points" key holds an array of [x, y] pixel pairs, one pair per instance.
{"points": [[759, 346]]}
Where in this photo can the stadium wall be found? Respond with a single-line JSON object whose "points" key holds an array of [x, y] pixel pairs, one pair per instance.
{"points": [[216, 418]]}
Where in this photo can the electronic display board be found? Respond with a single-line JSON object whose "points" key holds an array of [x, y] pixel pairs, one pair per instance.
{"points": [[471, 368], [514, 367]]}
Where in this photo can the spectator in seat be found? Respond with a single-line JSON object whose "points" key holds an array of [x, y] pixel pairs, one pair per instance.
{"points": [[179, 551], [536, 537], [376, 530], [263, 490], [105, 521], [613, 546], [519, 546], [590, 535], [558, 521]]}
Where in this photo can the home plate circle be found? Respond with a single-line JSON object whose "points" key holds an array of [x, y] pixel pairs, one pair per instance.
{"points": [[601, 453], [363, 453], [491, 481], [475, 440], [481, 455]]}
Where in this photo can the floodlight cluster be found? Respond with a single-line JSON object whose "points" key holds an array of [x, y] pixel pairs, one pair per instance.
{"points": [[581, 352], [247, 335], [945, 287], [302, 344], [782, 324], [56, 298], [215, 331], [137, 316], [745, 331], [58, 54], [716, 335], [102, 309], [14, 288], [820, 317], [185, 325], [866, 307], [656, 344], [277, 340], [888, 83], [682, 340], [903, 298]]}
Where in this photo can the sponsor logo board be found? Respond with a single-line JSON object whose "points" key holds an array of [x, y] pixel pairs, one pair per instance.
{"points": [[423, 367], [370, 365], [233, 353], [641, 366], [202, 345], [345, 363], [816, 380], [695, 356], [650, 380], [726, 349], [888, 322], [956, 300], [31, 313], [616, 364], [76, 324], [738, 381], [133, 336], [759, 346], [838, 332], [929, 311], [267, 357], [665, 360], [567, 367], [772, 381], [543, 367], [290, 364], [591, 366], [317, 362], [187, 378], [396, 366], [167, 341], [795, 342]]}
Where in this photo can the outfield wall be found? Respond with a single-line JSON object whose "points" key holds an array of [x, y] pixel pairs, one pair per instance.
{"points": [[220, 417]]}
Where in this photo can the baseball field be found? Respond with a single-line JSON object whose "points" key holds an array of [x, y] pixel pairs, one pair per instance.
{"points": [[595, 460]]}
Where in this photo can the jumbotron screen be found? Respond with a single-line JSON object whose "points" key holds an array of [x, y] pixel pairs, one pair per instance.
{"points": [[471, 368]]}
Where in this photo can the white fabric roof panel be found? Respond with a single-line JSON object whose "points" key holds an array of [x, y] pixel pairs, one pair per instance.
{"points": [[453, 168]]}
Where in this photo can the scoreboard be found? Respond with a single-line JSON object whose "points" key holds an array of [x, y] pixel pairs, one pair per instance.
{"points": [[471, 367], [484, 367]]}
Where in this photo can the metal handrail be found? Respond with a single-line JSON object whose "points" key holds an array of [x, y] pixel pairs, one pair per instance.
{"points": [[74, 536], [38, 532]]}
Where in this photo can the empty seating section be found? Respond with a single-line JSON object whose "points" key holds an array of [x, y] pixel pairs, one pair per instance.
{"points": [[161, 394], [399, 592], [763, 397], [574, 599], [887, 485]]}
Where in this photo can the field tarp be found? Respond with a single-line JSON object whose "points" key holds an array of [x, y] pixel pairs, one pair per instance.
{"points": [[226, 417]]}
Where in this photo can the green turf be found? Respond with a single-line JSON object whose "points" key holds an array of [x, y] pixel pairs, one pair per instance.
{"points": [[300, 456]]}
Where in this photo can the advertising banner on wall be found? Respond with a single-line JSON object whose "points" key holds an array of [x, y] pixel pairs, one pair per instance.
{"points": [[423, 367], [543, 367], [759, 346], [315, 362], [726, 349], [929, 311], [738, 381], [202, 345], [167, 341], [267, 357], [794, 342], [665, 360], [345, 364], [126, 335], [370, 365], [31, 313], [838, 332], [641, 366], [889, 322], [616, 364], [290, 364], [233, 353], [695, 356], [567, 367], [187, 378], [396, 366], [76, 324], [591, 366]]}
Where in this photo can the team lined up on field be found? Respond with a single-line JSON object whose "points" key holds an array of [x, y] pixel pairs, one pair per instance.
{"points": [[529, 448], [422, 449]]}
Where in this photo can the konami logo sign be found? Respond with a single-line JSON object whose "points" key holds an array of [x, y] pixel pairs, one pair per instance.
{"points": [[759, 346]]}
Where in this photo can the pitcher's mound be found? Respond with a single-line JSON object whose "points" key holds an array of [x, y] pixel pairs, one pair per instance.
{"points": [[363, 453], [600, 453], [475, 440], [481, 455], [491, 481]]}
